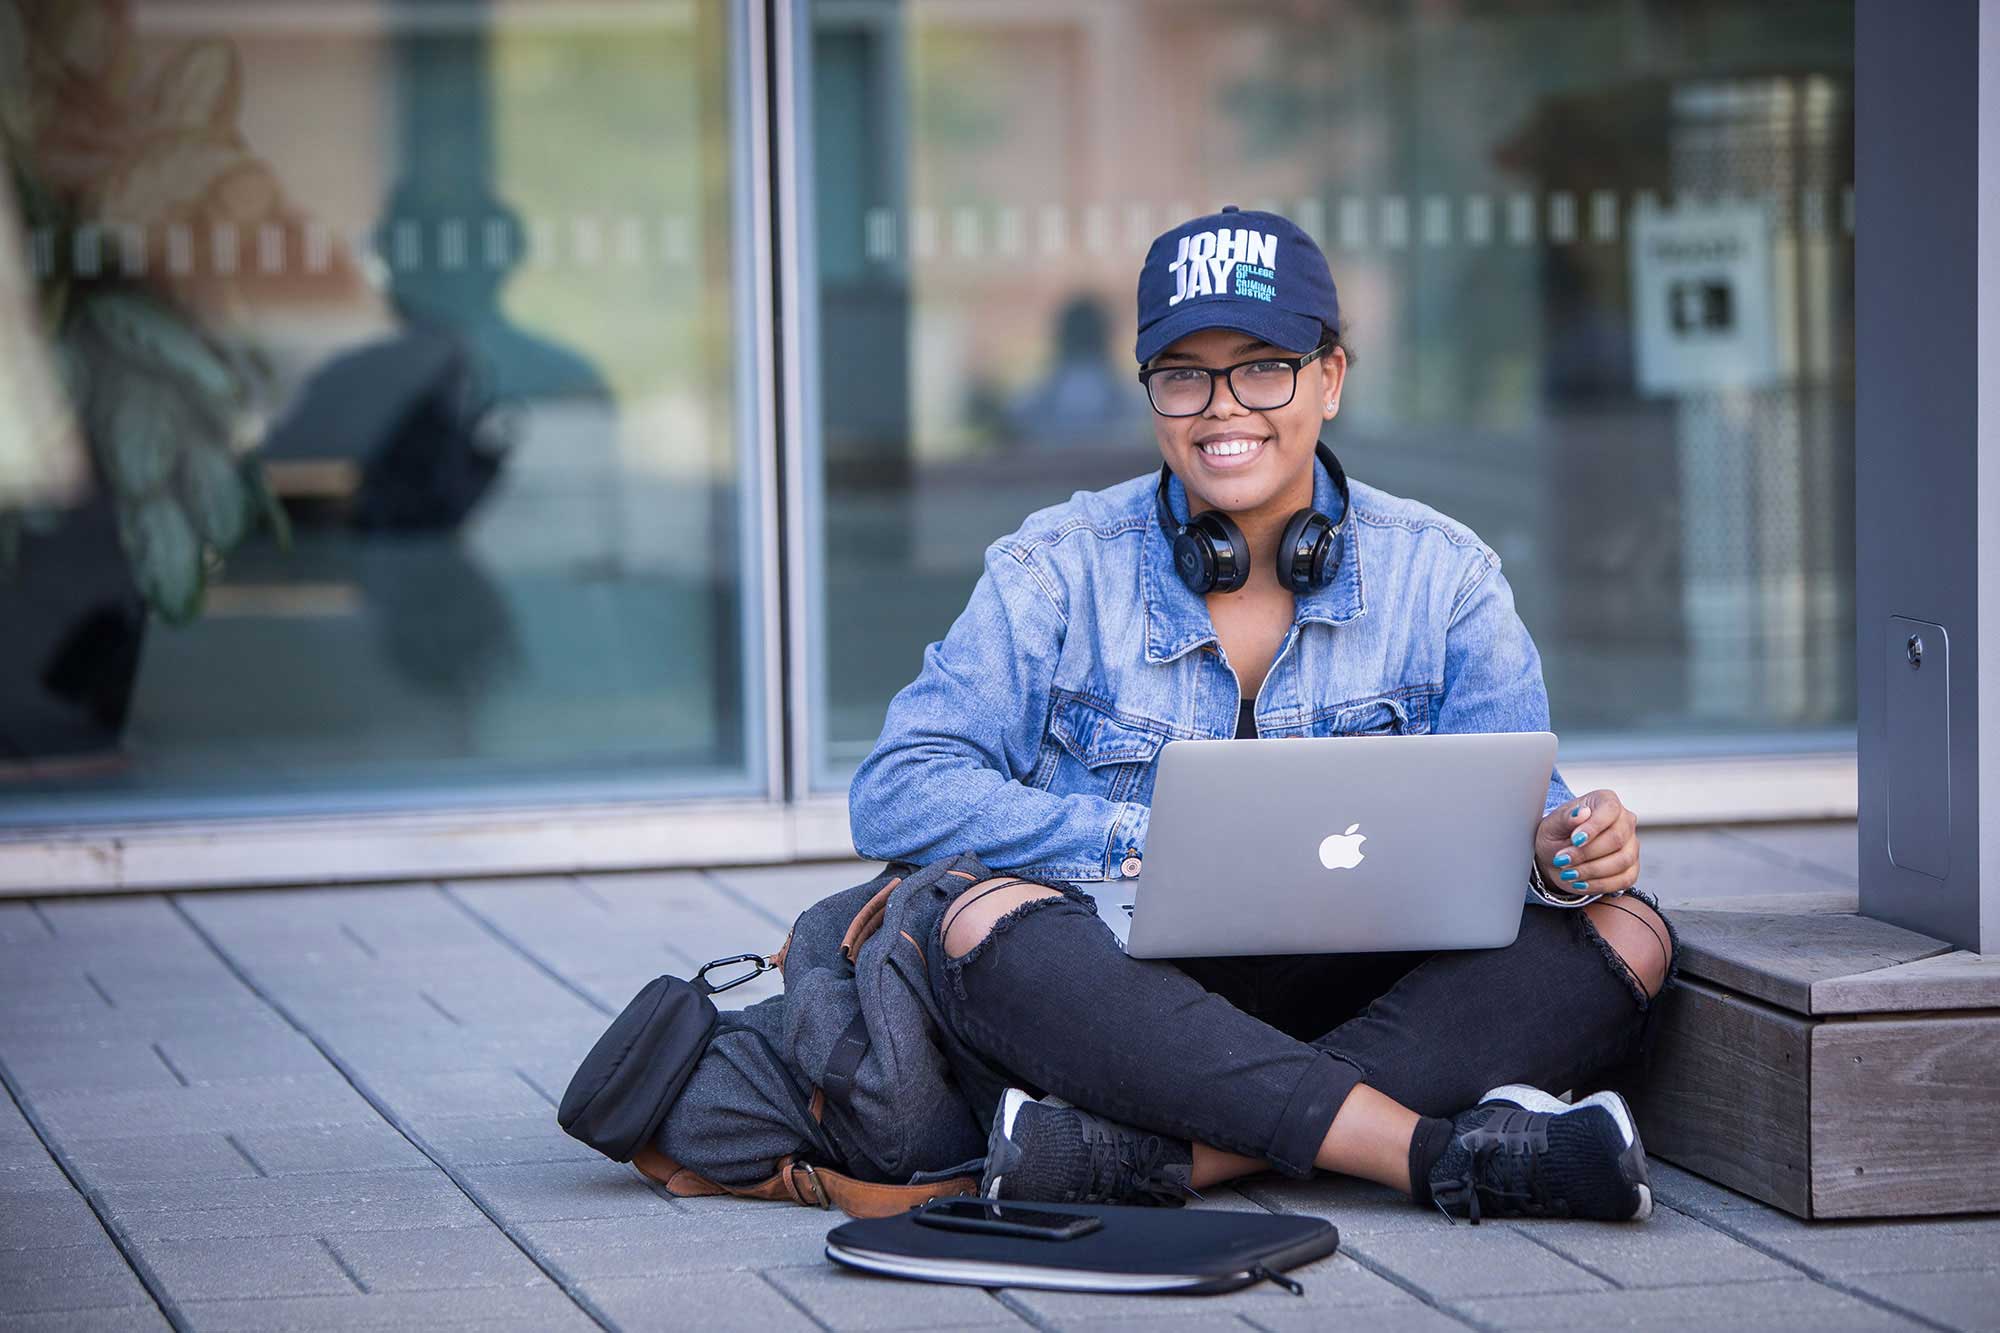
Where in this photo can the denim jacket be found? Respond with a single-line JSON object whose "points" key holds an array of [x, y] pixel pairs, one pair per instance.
{"points": [[1030, 736]]}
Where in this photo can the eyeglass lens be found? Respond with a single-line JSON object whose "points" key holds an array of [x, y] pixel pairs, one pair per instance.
{"points": [[1257, 385]]}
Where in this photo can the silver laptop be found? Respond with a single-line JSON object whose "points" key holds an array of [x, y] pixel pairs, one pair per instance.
{"points": [[1346, 844]]}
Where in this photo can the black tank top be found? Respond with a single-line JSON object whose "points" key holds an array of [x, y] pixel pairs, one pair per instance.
{"points": [[1246, 721]]}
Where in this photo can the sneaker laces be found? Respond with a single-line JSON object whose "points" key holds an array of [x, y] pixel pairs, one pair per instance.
{"points": [[1503, 1164], [1115, 1176]]}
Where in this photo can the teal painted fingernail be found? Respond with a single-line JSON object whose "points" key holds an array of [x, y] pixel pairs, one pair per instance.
{"points": [[1571, 874], [1574, 813], [1582, 886], [1562, 858], [1578, 838]]}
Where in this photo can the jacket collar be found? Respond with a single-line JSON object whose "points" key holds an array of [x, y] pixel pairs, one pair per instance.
{"points": [[1177, 620]]}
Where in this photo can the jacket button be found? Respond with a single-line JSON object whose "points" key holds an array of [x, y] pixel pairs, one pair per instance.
{"points": [[1130, 867]]}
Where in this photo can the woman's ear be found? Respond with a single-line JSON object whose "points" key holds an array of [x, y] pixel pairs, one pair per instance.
{"points": [[1333, 374]]}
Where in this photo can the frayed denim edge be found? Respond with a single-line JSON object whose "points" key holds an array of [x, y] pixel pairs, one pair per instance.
{"points": [[955, 967]]}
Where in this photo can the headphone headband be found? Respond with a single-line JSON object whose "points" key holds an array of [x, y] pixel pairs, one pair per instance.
{"points": [[1212, 555]]}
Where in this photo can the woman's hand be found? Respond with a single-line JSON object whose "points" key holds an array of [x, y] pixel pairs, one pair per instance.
{"points": [[1589, 845]]}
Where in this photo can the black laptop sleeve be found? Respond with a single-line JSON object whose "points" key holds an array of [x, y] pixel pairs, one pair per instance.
{"points": [[1149, 1250]]}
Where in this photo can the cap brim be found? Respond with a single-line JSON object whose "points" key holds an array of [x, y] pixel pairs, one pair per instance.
{"points": [[1259, 319]]}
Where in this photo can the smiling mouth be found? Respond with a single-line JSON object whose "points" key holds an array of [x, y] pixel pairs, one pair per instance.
{"points": [[1230, 453]]}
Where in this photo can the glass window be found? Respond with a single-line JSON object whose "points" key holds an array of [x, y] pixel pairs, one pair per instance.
{"points": [[1597, 263], [415, 438]]}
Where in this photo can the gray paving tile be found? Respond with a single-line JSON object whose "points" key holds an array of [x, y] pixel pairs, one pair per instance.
{"points": [[26, 1172], [1800, 1305], [843, 1299], [731, 1302], [1831, 849], [459, 1092], [782, 892], [436, 1260], [663, 1244], [1355, 1206], [1411, 1317], [292, 1205], [1967, 1300], [1674, 1186], [309, 1149], [133, 1319], [1686, 864], [1333, 1283], [54, 1034], [247, 1267], [621, 930], [1193, 1318], [1667, 1250], [142, 1160], [1843, 1249], [20, 925], [93, 1068], [1467, 1261], [48, 1219], [561, 1191], [526, 1308], [74, 1277], [497, 1140], [260, 1103]]}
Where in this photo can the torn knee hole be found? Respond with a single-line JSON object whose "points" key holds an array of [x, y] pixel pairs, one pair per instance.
{"points": [[984, 908], [1635, 938]]}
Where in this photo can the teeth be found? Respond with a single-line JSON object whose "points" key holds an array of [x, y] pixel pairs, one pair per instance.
{"points": [[1229, 448]]}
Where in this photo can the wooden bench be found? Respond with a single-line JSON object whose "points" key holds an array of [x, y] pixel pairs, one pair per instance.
{"points": [[1828, 1063]]}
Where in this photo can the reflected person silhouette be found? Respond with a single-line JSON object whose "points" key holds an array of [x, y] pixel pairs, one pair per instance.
{"points": [[1083, 398], [428, 418]]}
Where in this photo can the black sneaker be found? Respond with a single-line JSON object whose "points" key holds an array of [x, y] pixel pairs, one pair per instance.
{"points": [[1049, 1152], [1523, 1153]]}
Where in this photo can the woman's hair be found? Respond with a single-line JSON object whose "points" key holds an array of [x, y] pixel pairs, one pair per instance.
{"points": [[1338, 339]]}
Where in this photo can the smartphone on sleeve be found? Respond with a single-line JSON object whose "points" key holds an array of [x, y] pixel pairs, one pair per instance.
{"points": [[1006, 1219]]}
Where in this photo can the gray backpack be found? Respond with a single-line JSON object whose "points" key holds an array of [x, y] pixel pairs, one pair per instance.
{"points": [[876, 1116]]}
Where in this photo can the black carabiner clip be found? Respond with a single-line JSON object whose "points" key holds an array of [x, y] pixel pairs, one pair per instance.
{"points": [[762, 965]]}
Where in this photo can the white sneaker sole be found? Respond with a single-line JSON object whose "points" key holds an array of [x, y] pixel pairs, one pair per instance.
{"points": [[1010, 1107], [1534, 1099]]}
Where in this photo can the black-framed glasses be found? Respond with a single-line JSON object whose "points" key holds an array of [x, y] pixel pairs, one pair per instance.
{"points": [[1261, 385]]}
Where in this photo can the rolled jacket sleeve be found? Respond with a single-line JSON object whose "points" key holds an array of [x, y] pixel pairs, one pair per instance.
{"points": [[1493, 678], [947, 774]]}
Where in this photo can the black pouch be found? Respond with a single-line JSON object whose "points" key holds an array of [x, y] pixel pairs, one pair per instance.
{"points": [[625, 1086]]}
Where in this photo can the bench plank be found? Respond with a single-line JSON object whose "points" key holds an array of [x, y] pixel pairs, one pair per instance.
{"points": [[1725, 1095], [1902, 1116], [1957, 980], [1779, 958]]}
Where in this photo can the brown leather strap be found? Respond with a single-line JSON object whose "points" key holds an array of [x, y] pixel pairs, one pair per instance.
{"points": [[867, 921], [801, 1183]]}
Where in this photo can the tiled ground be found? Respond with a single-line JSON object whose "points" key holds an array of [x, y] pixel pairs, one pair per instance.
{"points": [[334, 1108]]}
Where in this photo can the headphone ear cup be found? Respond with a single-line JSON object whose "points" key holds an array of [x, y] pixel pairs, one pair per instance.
{"points": [[1304, 551], [1194, 560], [1229, 550]]}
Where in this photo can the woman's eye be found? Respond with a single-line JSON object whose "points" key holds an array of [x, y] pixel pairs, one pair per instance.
{"points": [[1177, 378], [1267, 367]]}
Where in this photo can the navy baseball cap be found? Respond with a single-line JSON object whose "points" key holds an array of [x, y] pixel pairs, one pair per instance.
{"points": [[1256, 272]]}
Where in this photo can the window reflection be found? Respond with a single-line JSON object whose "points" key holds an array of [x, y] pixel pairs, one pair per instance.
{"points": [[474, 266], [1598, 266]]}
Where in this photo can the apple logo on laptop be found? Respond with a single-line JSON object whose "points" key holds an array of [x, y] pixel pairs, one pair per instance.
{"points": [[1342, 851]]}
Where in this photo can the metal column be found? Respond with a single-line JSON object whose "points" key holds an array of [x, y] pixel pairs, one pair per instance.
{"points": [[1927, 459]]}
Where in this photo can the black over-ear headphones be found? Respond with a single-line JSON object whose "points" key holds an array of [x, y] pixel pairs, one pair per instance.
{"points": [[1212, 555]]}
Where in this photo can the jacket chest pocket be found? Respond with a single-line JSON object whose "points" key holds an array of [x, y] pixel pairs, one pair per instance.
{"points": [[1096, 753], [1404, 712]]}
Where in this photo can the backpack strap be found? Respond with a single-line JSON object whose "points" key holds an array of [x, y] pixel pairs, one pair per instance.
{"points": [[804, 1184]]}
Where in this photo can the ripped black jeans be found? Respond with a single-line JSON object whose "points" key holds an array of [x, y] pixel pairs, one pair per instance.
{"points": [[1256, 1055]]}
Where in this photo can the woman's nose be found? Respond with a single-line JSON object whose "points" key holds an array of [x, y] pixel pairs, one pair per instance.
{"points": [[1222, 401]]}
